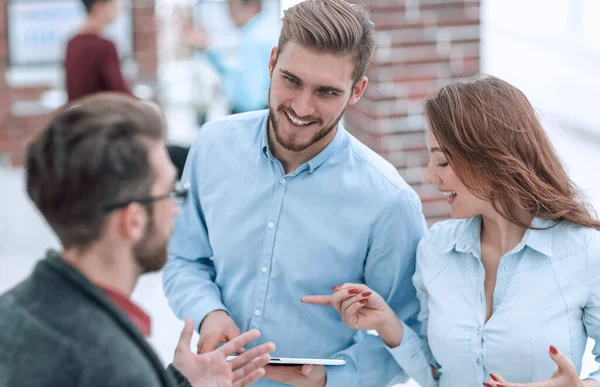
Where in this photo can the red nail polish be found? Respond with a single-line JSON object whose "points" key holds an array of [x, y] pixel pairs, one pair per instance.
{"points": [[499, 385], [553, 350], [353, 291], [487, 384], [364, 301], [367, 294], [495, 378], [336, 287]]}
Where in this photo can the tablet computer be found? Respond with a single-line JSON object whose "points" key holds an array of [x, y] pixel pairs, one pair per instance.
{"points": [[277, 360]]}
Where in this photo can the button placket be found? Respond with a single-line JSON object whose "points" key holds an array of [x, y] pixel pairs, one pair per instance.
{"points": [[269, 245]]}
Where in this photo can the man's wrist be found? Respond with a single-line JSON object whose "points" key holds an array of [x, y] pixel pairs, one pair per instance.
{"points": [[180, 378], [208, 315]]}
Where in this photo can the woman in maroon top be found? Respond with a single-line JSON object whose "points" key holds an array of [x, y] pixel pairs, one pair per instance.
{"points": [[92, 63]]}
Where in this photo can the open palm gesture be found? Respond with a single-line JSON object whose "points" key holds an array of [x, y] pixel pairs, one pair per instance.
{"points": [[565, 376], [212, 369]]}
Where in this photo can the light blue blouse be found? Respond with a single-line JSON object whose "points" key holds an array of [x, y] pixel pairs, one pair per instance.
{"points": [[547, 293]]}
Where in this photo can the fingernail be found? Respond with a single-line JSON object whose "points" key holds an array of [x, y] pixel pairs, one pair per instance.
{"points": [[364, 301], [494, 377], [553, 350], [353, 291], [367, 294], [336, 287], [499, 385], [487, 384]]}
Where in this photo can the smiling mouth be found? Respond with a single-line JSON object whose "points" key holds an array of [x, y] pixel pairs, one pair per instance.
{"points": [[449, 194], [297, 121]]}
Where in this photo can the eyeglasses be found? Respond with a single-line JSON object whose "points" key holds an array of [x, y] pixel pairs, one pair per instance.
{"points": [[179, 194]]}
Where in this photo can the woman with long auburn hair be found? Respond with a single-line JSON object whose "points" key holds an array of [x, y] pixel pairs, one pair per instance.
{"points": [[515, 276]]}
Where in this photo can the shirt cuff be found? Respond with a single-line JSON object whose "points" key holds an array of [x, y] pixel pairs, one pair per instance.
{"points": [[180, 379], [207, 307], [341, 376], [409, 355]]}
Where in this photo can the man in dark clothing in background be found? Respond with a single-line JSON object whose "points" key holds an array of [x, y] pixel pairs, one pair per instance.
{"points": [[101, 177]]}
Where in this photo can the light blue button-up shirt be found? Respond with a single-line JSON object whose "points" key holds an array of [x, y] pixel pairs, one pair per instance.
{"points": [[547, 293], [245, 76], [253, 240]]}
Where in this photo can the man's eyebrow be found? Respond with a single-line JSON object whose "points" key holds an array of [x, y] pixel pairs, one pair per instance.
{"points": [[332, 88]]}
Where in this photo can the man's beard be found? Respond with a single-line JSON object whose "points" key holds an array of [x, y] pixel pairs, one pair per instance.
{"points": [[150, 252], [291, 144]]}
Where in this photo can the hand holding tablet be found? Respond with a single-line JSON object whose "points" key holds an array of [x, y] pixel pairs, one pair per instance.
{"points": [[276, 360]]}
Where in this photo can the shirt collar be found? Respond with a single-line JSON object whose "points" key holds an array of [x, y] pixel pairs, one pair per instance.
{"points": [[135, 314], [538, 240], [467, 238], [314, 163]]}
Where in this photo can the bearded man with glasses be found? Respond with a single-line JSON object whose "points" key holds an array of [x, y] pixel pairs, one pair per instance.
{"points": [[100, 175]]}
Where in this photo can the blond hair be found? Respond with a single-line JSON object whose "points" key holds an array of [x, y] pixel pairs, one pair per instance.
{"points": [[332, 26]]}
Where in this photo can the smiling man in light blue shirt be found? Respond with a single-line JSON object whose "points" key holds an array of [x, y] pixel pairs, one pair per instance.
{"points": [[285, 202]]}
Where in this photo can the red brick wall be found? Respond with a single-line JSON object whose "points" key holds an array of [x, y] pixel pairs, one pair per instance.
{"points": [[422, 45], [4, 93], [144, 39], [15, 131]]}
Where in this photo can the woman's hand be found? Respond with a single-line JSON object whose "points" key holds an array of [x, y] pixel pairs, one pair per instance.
{"points": [[363, 309], [565, 376]]}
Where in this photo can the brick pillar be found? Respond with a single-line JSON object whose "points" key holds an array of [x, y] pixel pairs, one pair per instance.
{"points": [[144, 40], [422, 45], [4, 92], [15, 132]]}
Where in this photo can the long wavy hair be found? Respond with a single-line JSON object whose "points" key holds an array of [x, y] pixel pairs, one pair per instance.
{"points": [[497, 147]]}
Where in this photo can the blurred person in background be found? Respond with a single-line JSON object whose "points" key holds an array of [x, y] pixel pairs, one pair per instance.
{"points": [[514, 276], [244, 80], [284, 201], [92, 63], [100, 175]]}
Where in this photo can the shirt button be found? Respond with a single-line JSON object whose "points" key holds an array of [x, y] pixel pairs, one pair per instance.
{"points": [[478, 361], [504, 268], [264, 269], [478, 331], [496, 302], [257, 313], [271, 225], [282, 181]]}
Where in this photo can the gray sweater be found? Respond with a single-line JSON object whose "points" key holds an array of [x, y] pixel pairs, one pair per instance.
{"points": [[57, 329]]}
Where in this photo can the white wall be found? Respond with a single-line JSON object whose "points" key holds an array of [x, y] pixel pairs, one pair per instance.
{"points": [[551, 50]]}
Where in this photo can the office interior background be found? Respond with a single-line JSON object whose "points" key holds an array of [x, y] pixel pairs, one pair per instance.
{"points": [[550, 49]]}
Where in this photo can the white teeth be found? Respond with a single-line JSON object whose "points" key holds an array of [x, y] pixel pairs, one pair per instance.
{"points": [[298, 122], [448, 194]]}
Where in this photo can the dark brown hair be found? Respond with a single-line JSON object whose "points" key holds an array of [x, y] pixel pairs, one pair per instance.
{"points": [[93, 152], [89, 4], [497, 147], [332, 26]]}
